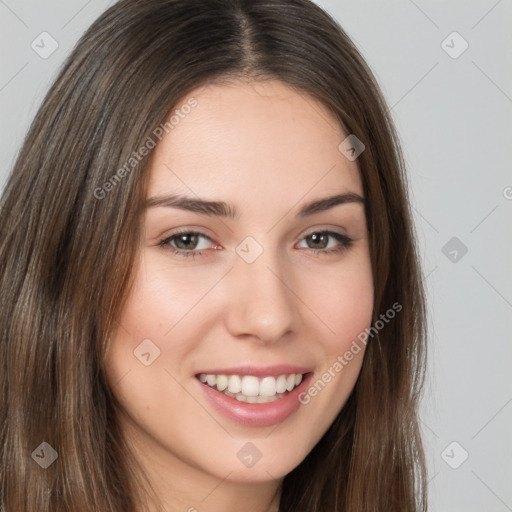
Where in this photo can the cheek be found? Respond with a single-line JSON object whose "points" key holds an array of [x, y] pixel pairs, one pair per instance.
{"points": [[342, 300], [144, 333], [162, 298], [348, 307]]}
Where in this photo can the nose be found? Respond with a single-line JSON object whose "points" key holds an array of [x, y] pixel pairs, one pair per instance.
{"points": [[261, 303]]}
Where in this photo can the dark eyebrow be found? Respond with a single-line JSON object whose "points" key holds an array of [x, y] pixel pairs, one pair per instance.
{"points": [[321, 205], [218, 208], [222, 209]]}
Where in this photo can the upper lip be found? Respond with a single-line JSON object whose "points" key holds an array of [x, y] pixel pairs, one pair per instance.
{"points": [[258, 371]]}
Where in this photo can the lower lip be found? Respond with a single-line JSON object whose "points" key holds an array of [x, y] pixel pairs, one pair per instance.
{"points": [[256, 415]]}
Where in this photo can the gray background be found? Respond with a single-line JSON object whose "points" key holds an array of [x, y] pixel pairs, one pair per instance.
{"points": [[454, 118]]}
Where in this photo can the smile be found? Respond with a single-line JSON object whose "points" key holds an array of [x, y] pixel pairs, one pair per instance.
{"points": [[252, 389]]}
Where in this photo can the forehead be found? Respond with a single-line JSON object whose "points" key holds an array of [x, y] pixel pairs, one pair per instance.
{"points": [[250, 139]]}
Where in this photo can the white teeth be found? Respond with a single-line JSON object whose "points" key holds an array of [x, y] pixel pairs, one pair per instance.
{"points": [[268, 386], [234, 384], [250, 386], [290, 382], [252, 389], [256, 399], [222, 382], [281, 384]]}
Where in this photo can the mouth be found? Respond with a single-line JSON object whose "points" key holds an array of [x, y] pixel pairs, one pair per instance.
{"points": [[253, 389], [254, 396]]}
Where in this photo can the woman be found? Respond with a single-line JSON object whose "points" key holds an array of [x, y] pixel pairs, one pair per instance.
{"points": [[212, 297]]}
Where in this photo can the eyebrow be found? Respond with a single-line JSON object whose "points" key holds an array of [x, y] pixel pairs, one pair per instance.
{"points": [[222, 209]]}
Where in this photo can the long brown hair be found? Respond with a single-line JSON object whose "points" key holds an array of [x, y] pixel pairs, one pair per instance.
{"points": [[67, 252]]}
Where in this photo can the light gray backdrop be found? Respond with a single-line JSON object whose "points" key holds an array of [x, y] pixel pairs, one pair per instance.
{"points": [[445, 69]]}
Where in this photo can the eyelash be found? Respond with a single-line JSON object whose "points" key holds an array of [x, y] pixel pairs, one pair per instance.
{"points": [[345, 243]]}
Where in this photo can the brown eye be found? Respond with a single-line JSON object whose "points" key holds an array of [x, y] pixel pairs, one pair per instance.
{"points": [[318, 240], [187, 243], [327, 242]]}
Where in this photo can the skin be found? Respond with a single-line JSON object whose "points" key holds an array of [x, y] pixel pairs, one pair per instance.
{"points": [[266, 150]]}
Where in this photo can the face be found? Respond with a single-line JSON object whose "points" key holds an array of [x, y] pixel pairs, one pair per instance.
{"points": [[247, 288]]}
